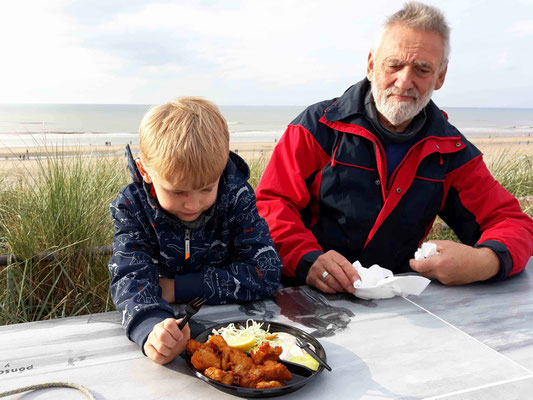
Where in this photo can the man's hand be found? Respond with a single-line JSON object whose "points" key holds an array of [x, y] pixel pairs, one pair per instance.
{"points": [[458, 264], [166, 341], [167, 289], [341, 273]]}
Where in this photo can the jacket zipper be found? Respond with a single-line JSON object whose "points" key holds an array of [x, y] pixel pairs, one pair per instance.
{"points": [[187, 244], [420, 143]]}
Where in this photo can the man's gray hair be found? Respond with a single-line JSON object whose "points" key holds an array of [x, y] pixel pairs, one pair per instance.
{"points": [[421, 17]]}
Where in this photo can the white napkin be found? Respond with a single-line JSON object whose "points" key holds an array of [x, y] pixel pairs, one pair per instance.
{"points": [[427, 250], [380, 283]]}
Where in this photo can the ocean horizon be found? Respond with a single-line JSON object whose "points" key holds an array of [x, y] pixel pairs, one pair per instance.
{"points": [[30, 125]]}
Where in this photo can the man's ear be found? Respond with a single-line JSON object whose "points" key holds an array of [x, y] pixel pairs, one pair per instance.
{"points": [[143, 172], [440, 78], [370, 66]]}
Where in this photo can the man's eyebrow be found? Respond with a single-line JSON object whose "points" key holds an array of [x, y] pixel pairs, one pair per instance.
{"points": [[394, 61], [397, 61], [423, 64]]}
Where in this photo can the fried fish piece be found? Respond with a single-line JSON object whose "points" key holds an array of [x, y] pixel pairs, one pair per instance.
{"points": [[265, 352], [204, 358], [218, 342], [271, 371], [219, 375], [193, 345], [268, 384], [240, 362]]}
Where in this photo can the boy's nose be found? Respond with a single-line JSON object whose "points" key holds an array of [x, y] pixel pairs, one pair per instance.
{"points": [[192, 203]]}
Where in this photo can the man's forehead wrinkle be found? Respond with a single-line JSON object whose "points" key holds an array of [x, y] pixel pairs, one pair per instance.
{"points": [[400, 45]]}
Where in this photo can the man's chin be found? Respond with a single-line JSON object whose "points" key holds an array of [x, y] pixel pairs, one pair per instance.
{"points": [[395, 98]]}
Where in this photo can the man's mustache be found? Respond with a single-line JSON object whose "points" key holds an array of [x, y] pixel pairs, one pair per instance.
{"points": [[409, 93]]}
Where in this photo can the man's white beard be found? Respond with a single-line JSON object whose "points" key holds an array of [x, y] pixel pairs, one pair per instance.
{"points": [[397, 112]]}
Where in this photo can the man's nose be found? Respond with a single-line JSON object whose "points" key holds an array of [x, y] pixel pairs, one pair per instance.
{"points": [[404, 79]]}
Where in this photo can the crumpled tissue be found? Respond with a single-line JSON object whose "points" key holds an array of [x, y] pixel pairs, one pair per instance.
{"points": [[380, 283], [427, 250]]}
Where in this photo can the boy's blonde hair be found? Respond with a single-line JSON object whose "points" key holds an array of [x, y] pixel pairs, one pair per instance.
{"points": [[185, 141]]}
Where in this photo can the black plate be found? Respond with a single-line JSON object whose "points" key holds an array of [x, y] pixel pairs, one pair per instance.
{"points": [[300, 374]]}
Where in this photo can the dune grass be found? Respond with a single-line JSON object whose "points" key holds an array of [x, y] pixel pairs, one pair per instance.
{"points": [[51, 217], [514, 171]]}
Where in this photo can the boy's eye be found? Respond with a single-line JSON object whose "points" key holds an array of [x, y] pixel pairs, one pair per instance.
{"points": [[207, 190]]}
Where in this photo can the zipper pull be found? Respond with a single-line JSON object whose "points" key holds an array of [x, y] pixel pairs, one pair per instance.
{"points": [[187, 244]]}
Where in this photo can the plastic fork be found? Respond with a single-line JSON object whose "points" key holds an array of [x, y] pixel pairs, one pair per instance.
{"points": [[305, 346], [190, 309]]}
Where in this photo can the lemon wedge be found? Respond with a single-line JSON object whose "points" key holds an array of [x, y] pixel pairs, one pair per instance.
{"points": [[306, 360], [241, 342]]}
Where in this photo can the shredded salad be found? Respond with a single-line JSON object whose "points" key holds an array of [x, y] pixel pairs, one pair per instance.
{"points": [[253, 330], [254, 334]]}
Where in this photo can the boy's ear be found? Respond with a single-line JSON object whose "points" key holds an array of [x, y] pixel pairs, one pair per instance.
{"points": [[143, 172]]}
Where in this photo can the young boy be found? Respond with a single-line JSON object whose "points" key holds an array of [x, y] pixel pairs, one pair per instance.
{"points": [[187, 226]]}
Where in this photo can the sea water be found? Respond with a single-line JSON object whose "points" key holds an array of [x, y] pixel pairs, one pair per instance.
{"points": [[97, 124]]}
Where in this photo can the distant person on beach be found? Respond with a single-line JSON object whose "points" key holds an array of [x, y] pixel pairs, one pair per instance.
{"points": [[187, 226], [363, 176]]}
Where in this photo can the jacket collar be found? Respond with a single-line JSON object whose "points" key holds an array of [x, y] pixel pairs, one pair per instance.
{"points": [[352, 102]]}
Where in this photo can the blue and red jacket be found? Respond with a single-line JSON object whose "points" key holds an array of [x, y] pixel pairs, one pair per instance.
{"points": [[232, 256], [326, 188]]}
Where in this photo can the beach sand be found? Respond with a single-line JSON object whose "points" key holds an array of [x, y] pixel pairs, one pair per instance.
{"points": [[22, 160]]}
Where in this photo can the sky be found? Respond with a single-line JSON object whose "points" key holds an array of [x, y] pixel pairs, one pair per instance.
{"points": [[270, 52]]}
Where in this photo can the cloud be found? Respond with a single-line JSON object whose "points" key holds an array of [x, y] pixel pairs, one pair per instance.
{"points": [[502, 60], [522, 28], [43, 60], [276, 43]]}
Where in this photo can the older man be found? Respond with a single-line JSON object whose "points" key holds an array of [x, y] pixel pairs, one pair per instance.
{"points": [[363, 176]]}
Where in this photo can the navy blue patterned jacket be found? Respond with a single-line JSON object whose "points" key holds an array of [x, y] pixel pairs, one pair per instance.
{"points": [[232, 259]]}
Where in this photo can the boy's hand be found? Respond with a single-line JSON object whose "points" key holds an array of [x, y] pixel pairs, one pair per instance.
{"points": [[167, 289], [166, 341]]}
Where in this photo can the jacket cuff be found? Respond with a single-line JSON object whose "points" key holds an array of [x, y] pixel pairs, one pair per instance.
{"points": [[305, 263], [506, 262], [144, 324], [188, 286]]}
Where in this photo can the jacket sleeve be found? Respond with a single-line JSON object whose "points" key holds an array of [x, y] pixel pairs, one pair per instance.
{"points": [[483, 214], [134, 277], [287, 187], [254, 271]]}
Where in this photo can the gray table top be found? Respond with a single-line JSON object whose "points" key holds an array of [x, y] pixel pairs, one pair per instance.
{"points": [[467, 342]]}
